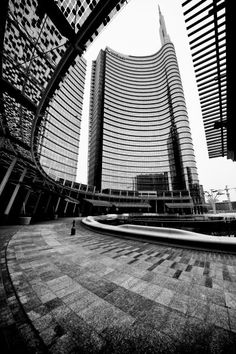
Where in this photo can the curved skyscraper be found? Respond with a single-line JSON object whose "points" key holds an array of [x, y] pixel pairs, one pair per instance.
{"points": [[139, 130], [59, 147]]}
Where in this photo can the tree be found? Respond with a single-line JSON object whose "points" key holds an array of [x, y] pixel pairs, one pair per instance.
{"points": [[213, 197]]}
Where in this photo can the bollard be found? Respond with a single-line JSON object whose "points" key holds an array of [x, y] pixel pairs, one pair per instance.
{"points": [[73, 228]]}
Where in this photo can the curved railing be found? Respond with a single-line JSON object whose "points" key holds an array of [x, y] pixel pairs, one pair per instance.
{"points": [[163, 235]]}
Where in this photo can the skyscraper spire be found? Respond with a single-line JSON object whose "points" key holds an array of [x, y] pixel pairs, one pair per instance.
{"points": [[163, 32]]}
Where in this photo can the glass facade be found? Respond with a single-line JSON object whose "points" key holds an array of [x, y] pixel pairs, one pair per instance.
{"points": [[152, 182], [59, 145], [143, 121]]}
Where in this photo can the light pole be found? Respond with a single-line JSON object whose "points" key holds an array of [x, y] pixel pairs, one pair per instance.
{"points": [[228, 198]]}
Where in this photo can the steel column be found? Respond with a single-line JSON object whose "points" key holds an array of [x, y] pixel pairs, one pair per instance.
{"points": [[14, 194], [37, 203], [47, 205], [7, 175], [59, 199], [25, 200], [66, 206]]}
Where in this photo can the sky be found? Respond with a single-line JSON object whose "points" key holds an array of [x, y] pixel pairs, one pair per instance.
{"points": [[135, 31]]}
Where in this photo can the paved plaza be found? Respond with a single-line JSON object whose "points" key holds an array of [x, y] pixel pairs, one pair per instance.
{"points": [[93, 293]]}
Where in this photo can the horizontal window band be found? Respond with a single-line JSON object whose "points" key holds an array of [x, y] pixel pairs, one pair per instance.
{"points": [[145, 151], [59, 155], [69, 142], [137, 144], [158, 85], [158, 74], [56, 144]]}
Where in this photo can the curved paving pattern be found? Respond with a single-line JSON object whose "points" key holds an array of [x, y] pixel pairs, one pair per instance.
{"points": [[17, 335], [96, 293]]}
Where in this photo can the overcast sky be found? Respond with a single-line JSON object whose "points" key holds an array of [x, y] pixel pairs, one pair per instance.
{"points": [[135, 31]]}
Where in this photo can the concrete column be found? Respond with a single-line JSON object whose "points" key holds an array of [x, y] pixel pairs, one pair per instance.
{"points": [[14, 194], [7, 175]]}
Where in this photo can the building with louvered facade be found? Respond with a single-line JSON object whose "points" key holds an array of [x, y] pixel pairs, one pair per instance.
{"points": [[139, 134]]}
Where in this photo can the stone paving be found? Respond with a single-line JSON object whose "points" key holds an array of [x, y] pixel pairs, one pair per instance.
{"points": [[93, 293]]}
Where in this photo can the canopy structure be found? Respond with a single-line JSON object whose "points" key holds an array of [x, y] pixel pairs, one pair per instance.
{"points": [[72, 200], [99, 203], [179, 205], [41, 41], [132, 205]]}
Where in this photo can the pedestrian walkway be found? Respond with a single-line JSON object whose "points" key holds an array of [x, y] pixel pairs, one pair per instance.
{"points": [[93, 293]]}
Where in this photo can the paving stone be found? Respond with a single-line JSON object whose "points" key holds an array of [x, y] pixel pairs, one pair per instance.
{"points": [[139, 338], [174, 325], [86, 299], [53, 304], [86, 339], [37, 312], [197, 308], [128, 301], [232, 319], [101, 315], [171, 284], [73, 297], [218, 315], [179, 302], [230, 300], [139, 287], [165, 297], [67, 290], [129, 282], [64, 345], [47, 297], [151, 291], [49, 336], [117, 277], [43, 322], [206, 338], [155, 316]]}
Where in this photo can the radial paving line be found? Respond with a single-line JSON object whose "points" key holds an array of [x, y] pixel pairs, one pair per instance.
{"points": [[97, 293]]}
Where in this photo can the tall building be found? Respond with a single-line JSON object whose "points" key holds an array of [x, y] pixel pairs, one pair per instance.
{"points": [[139, 130], [59, 146]]}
